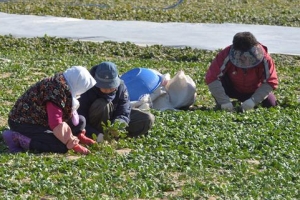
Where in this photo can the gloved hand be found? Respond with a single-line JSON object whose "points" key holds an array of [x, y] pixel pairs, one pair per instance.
{"points": [[81, 149], [100, 138], [248, 104], [227, 106], [84, 139]]}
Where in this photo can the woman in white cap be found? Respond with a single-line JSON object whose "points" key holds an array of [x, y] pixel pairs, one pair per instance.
{"points": [[44, 118], [244, 71]]}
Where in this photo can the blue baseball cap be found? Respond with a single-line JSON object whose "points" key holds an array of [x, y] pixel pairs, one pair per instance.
{"points": [[107, 76]]}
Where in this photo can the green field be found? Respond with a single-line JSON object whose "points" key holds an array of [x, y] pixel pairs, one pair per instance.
{"points": [[194, 154]]}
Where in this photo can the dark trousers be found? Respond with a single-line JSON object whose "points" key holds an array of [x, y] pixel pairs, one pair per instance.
{"points": [[42, 138], [270, 101], [101, 111]]}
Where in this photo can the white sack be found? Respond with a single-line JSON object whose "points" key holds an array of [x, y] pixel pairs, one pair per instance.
{"points": [[160, 100], [180, 92]]}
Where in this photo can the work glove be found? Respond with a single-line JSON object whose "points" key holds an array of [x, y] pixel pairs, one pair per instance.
{"points": [[227, 106], [84, 139], [100, 138], [248, 104], [81, 149]]}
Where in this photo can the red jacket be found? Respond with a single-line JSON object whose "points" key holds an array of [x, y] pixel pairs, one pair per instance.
{"points": [[244, 81]]}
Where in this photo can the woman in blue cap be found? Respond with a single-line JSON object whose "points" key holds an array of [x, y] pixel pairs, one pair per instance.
{"points": [[109, 100]]}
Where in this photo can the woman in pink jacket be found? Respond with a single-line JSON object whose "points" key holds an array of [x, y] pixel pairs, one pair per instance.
{"points": [[243, 71]]}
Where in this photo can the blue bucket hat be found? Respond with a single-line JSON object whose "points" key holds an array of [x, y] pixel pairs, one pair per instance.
{"points": [[107, 75]]}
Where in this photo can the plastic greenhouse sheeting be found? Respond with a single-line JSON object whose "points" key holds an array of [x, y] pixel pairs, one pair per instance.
{"points": [[278, 39]]}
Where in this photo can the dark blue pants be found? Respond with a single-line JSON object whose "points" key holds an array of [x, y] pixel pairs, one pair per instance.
{"points": [[42, 138]]}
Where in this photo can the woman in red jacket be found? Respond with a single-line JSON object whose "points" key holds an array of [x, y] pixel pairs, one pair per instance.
{"points": [[243, 71]]}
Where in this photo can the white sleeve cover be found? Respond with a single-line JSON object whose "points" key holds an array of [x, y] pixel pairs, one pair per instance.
{"points": [[64, 133], [261, 93], [218, 92]]}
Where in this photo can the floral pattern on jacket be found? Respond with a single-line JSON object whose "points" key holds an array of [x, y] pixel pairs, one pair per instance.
{"points": [[30, 108]]}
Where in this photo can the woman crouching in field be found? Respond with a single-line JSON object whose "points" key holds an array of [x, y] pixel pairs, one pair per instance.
{"points": [[44, 118]]}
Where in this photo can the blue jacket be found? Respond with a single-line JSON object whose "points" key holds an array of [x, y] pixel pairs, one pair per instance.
{"points": [[120, 100]]}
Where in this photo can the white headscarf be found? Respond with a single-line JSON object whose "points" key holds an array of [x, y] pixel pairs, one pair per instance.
{"points": [[79, 80]]}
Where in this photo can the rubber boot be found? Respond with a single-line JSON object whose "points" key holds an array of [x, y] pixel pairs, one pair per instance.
{"points": [[24, 141], [80, 149], [85, 140], [12, 141]]}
